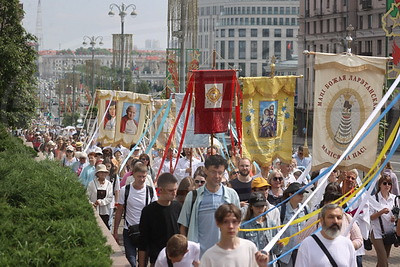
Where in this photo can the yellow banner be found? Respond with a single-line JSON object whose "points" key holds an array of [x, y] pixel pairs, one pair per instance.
{"points": [[347, 89], [125, 119], [267, 116]]}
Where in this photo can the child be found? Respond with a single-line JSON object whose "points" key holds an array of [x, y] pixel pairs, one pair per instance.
{"points": [[179, 253]]}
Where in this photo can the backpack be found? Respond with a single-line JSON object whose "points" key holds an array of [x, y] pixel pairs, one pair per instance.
{"points": [[283, 212], [149, 191]]}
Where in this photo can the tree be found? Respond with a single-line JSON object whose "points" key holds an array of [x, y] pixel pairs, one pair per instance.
{"points": [[17, 67]]}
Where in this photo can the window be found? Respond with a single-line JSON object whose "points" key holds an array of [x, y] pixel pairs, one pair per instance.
{"points": [[269, 21], [275, 21], [231, 49], [368, 46], [369, 21], [265, 33], [253, 51], [222, 32], [270, 10], [242, 32], [287, 21], [253, 10], [289, 49], [254, 32], [253, 69], [281, 10], [379, 47], [222, 52], [242, 49], [231, 32], [361, 23], [222, 66], [335, 25], [246, 21], [276, 10], [287, 10], [277, 48], [242, 68], [263, 21], [264, 10], [280, 21], [264, 68], [328, 25], [293, 21], [294, 11], [253, 22], [289, 32], [380, 20], [258, 10], [277, 33]]}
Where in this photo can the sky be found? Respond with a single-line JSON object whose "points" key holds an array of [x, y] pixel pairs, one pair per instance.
{"points": [[66, 22]]}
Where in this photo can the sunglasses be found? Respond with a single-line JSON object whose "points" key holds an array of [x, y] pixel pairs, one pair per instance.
{"points": [[199, 182], [351, 178], [224, 183], [143, 159], [277, 179], [386, 183]]}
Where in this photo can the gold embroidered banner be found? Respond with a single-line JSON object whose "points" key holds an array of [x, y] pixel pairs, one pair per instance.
{"points": [[347, 89], [267, 117], [125, 118]]}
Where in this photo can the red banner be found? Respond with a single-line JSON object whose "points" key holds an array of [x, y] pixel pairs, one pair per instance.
{"points": [[214, 90]]}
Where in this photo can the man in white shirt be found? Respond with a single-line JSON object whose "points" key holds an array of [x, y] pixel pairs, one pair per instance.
{"points": [[184, 167], [138, 197], [311, 252]]}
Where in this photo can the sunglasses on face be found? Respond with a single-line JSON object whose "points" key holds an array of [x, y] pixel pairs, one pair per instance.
{"points": [[351, 178], [143, 159], [387, 183], [224, 183], [277, 179], [199, 182]]}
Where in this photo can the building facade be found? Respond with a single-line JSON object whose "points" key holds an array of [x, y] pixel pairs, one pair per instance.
{"points": [[324, 25], [247, 33]]}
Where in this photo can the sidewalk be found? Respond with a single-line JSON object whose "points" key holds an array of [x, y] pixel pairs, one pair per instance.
{"points": [[370, 259]]}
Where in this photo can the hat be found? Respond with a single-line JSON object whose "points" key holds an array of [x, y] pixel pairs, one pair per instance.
{"points": [[79, 144], [70, 148], [80, 155], [259, 182], [257, 199], [51, 143], [297, 170], [101, 168], [117, 150], [294, 187], [98, 150]]}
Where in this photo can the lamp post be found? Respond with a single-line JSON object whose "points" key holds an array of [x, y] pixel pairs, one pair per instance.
{"points": [[92, 41], [122, 13]]}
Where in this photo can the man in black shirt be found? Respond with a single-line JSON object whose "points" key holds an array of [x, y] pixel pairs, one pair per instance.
{"points": [[159, 220], [242, 184]]}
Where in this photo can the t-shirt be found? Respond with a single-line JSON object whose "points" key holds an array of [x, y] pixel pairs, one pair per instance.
{"points": [[192, 255], [157, 224], [136, 202], [243, 255], [243, 189], [310, 254]]}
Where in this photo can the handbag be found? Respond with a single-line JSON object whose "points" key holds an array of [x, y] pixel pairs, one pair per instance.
{"points": [[134, 234], [389, 238]]}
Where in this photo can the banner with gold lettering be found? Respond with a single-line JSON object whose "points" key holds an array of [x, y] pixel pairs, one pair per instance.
{"points": [[267, 117], [347, 89]]}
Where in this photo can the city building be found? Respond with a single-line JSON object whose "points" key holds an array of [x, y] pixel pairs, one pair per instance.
{"points": [[247, 33], [324, 26]]}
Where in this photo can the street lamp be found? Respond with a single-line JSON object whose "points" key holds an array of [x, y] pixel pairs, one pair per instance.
{"points": [[92, 41], [122, 13]]}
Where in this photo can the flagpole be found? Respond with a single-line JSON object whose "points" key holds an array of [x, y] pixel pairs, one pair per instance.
{"points": [[214, 66]]}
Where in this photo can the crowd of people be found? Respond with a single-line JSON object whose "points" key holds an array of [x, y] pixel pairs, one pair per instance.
{"points": [[192, 215]]}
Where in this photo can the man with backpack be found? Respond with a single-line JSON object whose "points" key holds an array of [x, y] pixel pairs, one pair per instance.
{"points": [[132, 199], [197, 215]]}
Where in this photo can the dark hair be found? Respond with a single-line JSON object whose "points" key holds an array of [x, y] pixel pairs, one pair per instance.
{"points": [[384, 178], [330, 196], [333, 187], [226, 209], [146, 157], [185, 186], [92, 154], [133, 163], [165, 179], [132, 146], [108, 116], [215, 160], [113, 169]]}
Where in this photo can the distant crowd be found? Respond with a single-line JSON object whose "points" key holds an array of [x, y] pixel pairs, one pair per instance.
{"points": [[210, 210]]}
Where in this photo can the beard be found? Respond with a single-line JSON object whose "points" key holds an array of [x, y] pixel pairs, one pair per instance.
{"points": [[332, 231], [244, 172]]}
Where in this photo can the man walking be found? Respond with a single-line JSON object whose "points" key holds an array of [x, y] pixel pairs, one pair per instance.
{"points": [[197, 215], [132, 199], [159, 220], [328, 247], [242, 184]]}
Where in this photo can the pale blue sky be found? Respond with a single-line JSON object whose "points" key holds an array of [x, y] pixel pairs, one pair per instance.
{"points": [[65, 22]]}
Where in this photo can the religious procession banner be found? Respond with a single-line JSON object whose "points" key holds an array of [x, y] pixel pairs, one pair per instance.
{"points": [[125, 119], [191, 140], [106, 132], [214, 90], [267, 117], [347, 89], [167, 125], [172, 78]]}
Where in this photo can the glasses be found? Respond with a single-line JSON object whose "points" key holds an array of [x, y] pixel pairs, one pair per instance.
{"points": [[224, 183], [351, 178], [199, 182], [277, 179], [387, 183], [142, 159]]}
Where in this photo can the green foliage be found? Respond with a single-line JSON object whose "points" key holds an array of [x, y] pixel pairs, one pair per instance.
{"points": [[88, 51], [45, 217], [17, 67], [14, 144], [383, 126], [70, 119], [143, 87]]}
